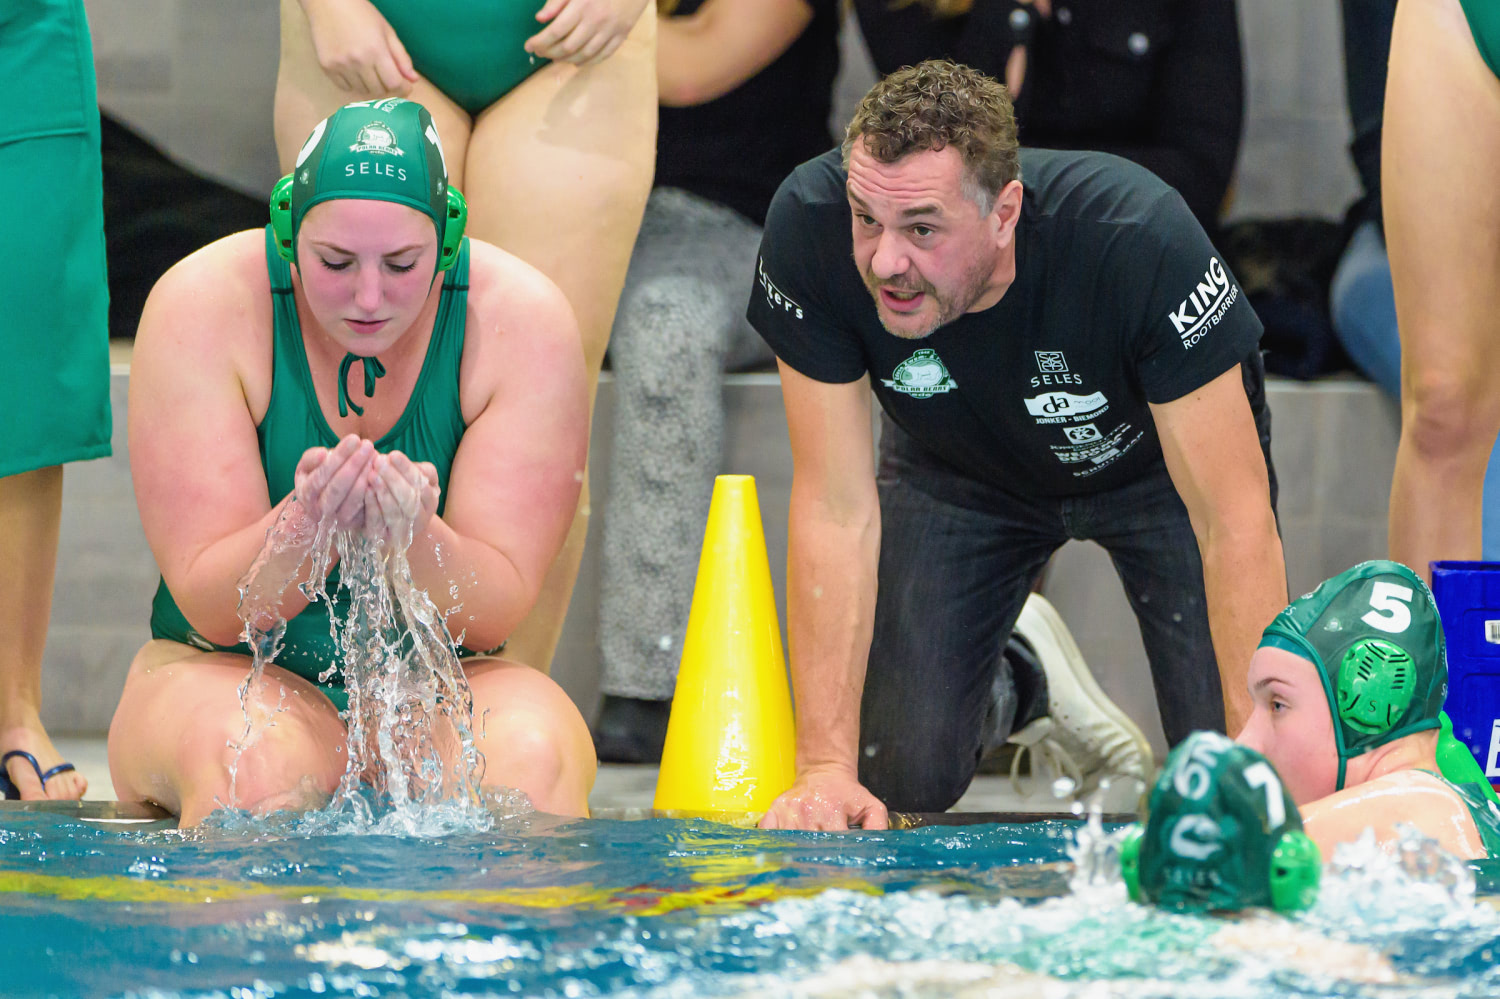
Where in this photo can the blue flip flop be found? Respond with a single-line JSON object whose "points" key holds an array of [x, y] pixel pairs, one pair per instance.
{"points": [[8, 787]]}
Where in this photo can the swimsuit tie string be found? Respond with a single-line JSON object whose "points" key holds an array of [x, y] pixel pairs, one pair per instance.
{"points": [[373, 370]]}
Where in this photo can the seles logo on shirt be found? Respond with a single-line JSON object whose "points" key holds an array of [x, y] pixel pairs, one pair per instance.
{"points": [[1054, 369], [921, 376], [1205, 306], [774, 295]]}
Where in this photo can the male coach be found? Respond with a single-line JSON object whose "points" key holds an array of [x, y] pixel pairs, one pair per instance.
{"points": [[1065, 359]]}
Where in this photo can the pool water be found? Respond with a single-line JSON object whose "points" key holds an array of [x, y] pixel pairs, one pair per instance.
{"points": [[540, 906]]}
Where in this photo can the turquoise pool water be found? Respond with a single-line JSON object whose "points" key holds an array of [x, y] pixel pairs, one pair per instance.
{"points": [[542, 907]]}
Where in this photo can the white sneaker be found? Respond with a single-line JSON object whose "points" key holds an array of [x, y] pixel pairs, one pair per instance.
{"points": [[1084, 736]]}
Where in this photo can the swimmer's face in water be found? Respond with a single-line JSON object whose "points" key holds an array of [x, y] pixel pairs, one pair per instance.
{"points": [[1291, 724], [366, 269], [926, 251]]}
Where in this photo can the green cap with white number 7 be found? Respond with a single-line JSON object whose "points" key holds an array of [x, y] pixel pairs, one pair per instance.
{"points": [[1374, 634], [1220, 833]]}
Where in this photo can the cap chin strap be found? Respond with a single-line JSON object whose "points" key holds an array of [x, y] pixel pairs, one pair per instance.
{"points": [[373, 370]]}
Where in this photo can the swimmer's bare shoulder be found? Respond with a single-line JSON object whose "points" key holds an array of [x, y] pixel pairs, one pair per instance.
{"points": [[211, 313], [199, 383], [1405, 797], [521, 337]]}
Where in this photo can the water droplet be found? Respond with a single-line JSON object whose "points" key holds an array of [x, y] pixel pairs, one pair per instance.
{"points": [[1063, 787], [664, 642]]}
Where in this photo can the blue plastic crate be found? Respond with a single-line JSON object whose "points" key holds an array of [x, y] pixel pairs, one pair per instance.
{"points": [[1468, 598]]}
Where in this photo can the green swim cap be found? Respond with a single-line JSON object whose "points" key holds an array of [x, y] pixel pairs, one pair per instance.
{"points": [[1374, 635], [1220, 833], [386, 150]]}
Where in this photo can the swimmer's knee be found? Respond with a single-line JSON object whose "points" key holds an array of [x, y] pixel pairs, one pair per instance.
{"points": [[535, 760], [272, 767]]}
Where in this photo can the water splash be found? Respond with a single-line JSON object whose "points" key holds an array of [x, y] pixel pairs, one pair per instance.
{"points": [[1416, 884], [1095, 852], [412, 765]]}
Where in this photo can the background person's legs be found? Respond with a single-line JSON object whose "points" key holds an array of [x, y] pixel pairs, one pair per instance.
{"points": [[557, 172], [954, 574], [1442, 221], [1364, 317], [681, 314], [30, 511], [305, 96], [1145, 529]]}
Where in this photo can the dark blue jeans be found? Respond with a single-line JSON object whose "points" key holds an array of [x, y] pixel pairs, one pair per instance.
{"points": [[957, 560]]}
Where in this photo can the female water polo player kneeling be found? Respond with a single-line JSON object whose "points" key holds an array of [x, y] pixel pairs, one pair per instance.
{"points": [[364, 362]]}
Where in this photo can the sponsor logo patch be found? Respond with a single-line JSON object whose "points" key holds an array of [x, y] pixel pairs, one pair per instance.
{"points": [[1065, 404], [1050, 362], [376, 137], [1205, 306], [921, 376]]}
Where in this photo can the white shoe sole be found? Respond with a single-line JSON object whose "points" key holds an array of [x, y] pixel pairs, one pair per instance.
{"points": [[1043, 627]]}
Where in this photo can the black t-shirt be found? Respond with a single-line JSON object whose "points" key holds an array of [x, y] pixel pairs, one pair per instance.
{"points": [[1119, 300], [736, 149]]}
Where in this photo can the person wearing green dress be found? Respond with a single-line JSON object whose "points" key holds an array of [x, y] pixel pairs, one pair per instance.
{"points": [[54, 380]]}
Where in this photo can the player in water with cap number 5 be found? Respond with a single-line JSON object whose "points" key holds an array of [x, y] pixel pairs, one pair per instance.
{"points": [[365, 362], [1348, 687]]}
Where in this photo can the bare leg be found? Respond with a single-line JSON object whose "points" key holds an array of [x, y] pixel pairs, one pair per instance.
{"points": [[1442, 216], [30, 510], [174, 735], [305, 96], [558, 172], [532, 736]]}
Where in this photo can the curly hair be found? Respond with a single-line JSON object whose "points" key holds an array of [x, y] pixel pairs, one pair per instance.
{"points": [[936, 104]]}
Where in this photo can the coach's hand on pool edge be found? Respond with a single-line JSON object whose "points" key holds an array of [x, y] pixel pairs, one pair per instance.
{"points": [[826, 799]]}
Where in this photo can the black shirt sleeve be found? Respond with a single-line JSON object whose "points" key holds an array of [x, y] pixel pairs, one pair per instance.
{"points": [[789, 305], [1195, 321]]}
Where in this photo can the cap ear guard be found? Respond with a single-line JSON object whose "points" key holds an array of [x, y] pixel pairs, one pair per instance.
{"points": [[1296, 868], [1376, 684], [281, 218], [453, 229], [1130, 862]]}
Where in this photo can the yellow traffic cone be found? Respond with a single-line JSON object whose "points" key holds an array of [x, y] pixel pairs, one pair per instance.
{"points": [[730, 746]]}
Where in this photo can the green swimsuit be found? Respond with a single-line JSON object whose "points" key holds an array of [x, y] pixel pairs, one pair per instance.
{"points": [[428, 430], [1484, 22], [469, 49], [1485, 813]]}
